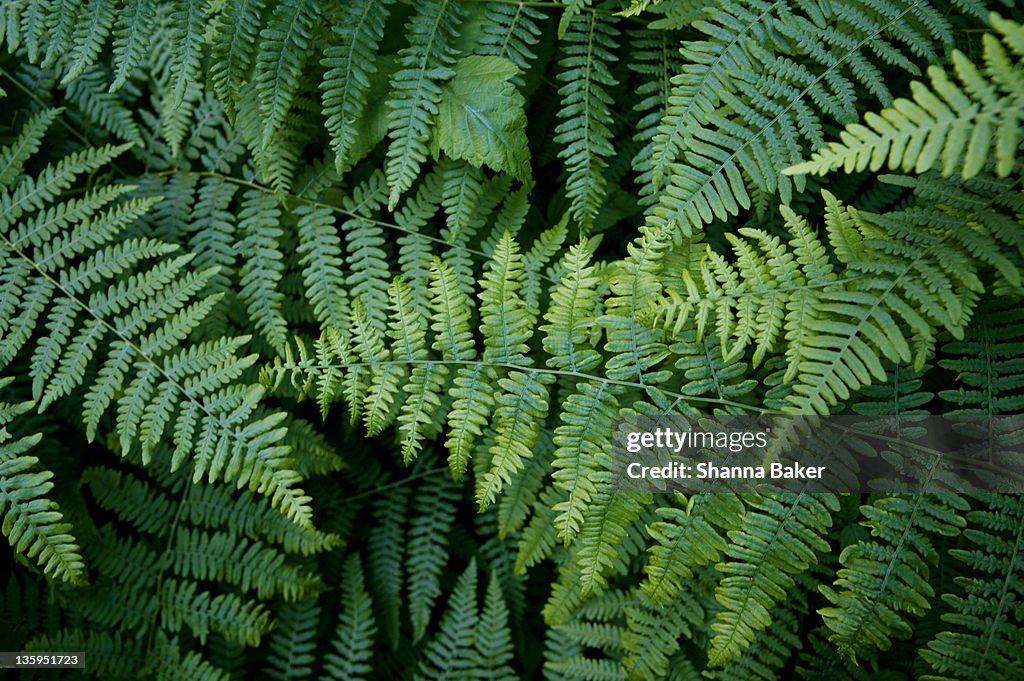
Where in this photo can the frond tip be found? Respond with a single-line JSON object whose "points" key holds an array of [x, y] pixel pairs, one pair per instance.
{"points": [[952, 125]]}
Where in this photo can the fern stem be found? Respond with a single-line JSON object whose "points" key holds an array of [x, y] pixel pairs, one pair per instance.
{"points": [[561, 373]]}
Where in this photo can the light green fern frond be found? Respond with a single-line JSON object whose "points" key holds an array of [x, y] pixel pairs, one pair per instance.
{"points": [[958, 126]]}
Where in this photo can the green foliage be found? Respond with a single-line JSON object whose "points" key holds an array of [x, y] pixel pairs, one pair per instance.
{"points": [[958, 126], [318, 323]]}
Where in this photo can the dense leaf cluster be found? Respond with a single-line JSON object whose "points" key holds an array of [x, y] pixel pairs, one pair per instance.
{"points": [[316, 320]]}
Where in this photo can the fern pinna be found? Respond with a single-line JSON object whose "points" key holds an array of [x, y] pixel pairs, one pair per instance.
{"points": [[318, 320]]}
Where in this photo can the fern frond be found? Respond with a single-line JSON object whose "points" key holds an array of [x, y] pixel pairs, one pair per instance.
{"points": [[653, 636], [95, 22], [492, 638], [369, 274], [416, 91], [745, 106], [114, 656], [132, 30], [187, 25], [511, 30], [778, 539], [284, 46], [145, 309], [988, 365], [520, 412], [350, 62], [234, 48], [432, 515], [14, 155], [171, 665], [959, 126], [183, 605], [226, 558], [687, 538], [353, 637], [506, 322], [573, 302], [450, 654], [32, 522], [88, 92], [986, 613], [635, 348], [262, 271], [292, 643], [387, 547], [585, 132], [321, 250], [884, 580]]}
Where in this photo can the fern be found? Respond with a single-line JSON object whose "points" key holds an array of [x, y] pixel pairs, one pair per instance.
{"points": [[881, 580], [774, 291], [284, 45], [350, 63], [777, 540], [585, 133], [423, 66], [33, 523], [956, 126], [744, 109], [356, 628], [986, 616], [480, 240]]}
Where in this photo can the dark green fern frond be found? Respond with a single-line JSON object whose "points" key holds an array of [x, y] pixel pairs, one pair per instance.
{"points": [[986, 617], [492, 638], [988, 365], [431, 519], [450, 654], [284, 45], [885, 580], [123, 307], [260, 274], [293, 641], [748, 103], [350, 62], [32, 522], [511, 30], [353, 638]]}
